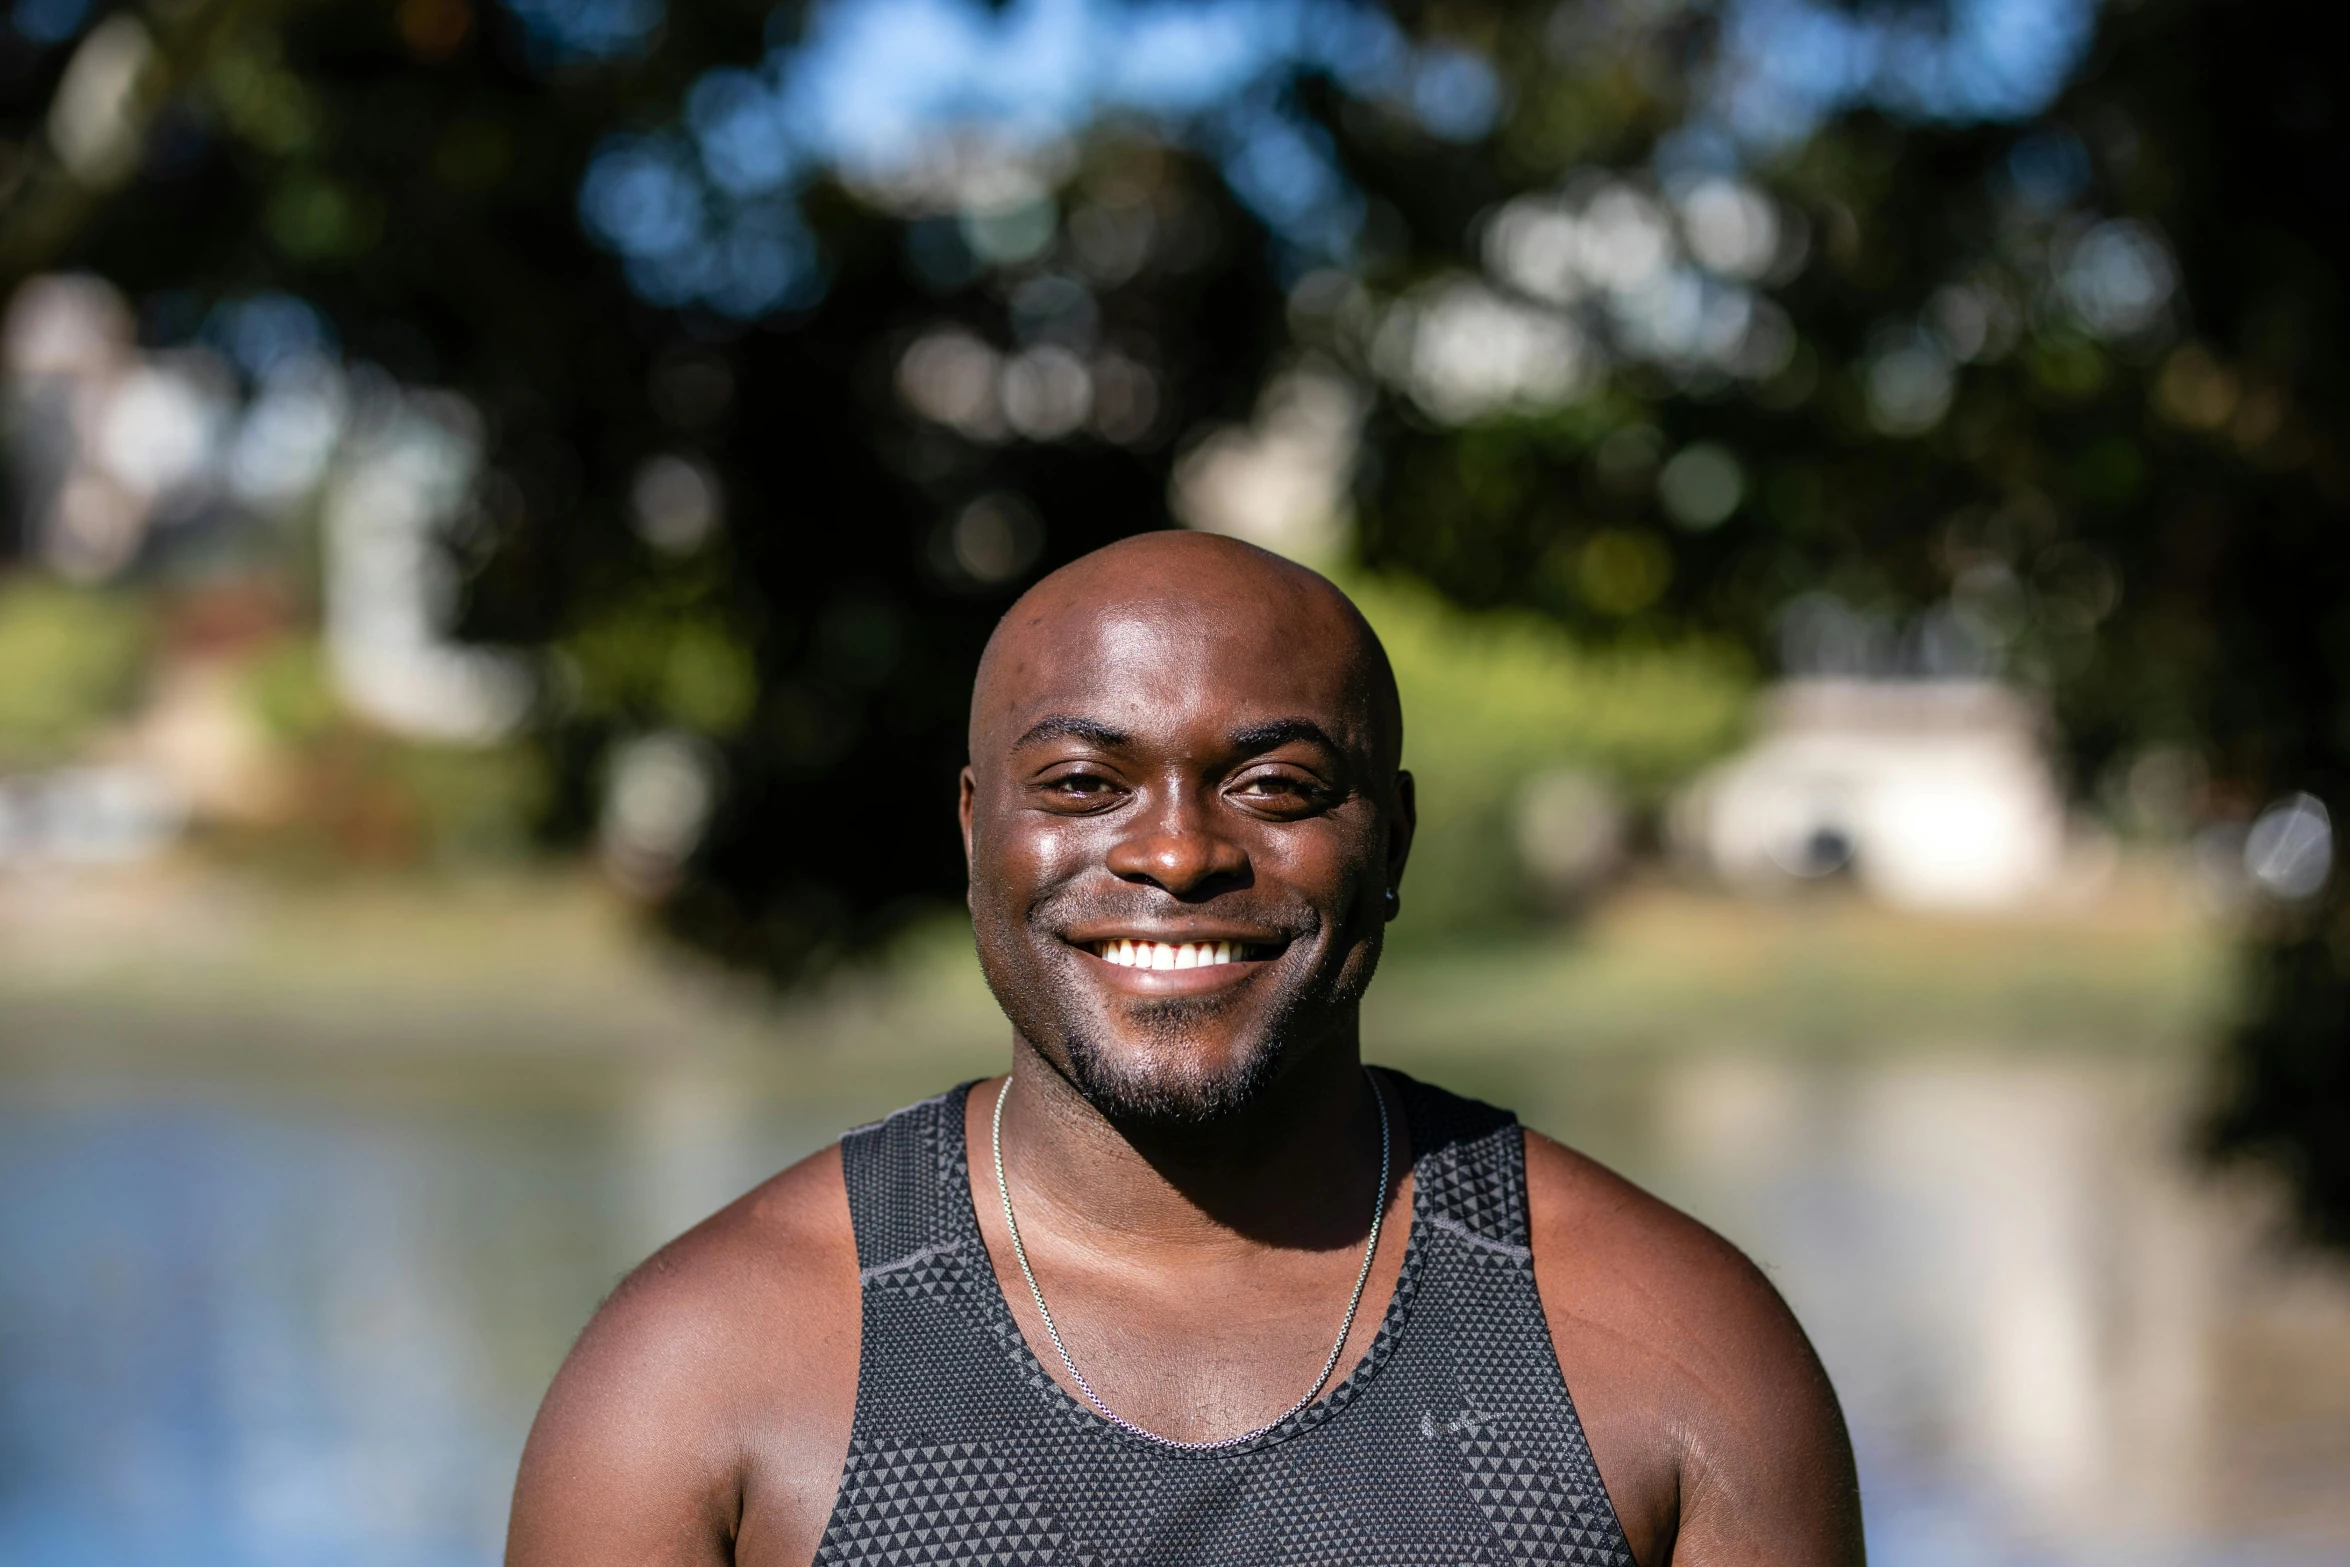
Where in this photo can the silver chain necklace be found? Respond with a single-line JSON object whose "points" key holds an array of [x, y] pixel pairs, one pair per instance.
{"points": [[1353, 1302]]}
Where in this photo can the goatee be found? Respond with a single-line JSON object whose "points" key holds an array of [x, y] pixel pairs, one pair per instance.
{"points": [[1165, 1084]]}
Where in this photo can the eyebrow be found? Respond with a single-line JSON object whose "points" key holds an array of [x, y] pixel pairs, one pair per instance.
{"points": [[1062, 726], [1256, 737], [1282, 731]]}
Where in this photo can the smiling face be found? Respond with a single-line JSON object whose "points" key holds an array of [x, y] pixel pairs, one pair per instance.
{"points": [[1183, 817]]}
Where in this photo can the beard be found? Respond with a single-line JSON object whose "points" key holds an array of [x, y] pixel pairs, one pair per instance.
{"points": [[1169, 1062], [1166, 1083]]}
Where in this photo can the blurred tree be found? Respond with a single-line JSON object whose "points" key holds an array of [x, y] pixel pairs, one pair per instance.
{"points": [[1924, 390], [1502, 705], [728, 522], [1896, 336], [69, 663]]}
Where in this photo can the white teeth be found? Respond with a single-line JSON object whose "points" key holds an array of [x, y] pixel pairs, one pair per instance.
{"points": [[1127, 953]]}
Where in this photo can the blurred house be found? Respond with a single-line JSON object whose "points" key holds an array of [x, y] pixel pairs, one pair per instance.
{"points": [[1932, 794], [222, 457], [195, 523]]}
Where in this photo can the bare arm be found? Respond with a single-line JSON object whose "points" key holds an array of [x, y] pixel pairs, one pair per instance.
{"points": [[629, 1458], [704, 1415], [1716, 1431], [1767, 1473]]}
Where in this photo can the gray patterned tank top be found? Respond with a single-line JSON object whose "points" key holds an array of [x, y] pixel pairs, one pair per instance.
{"points": [[1453, 1441]]}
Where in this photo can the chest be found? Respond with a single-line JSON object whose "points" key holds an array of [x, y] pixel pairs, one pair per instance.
{"points": [[1460, 1487], [1446, 1436], [1452, 1442]]}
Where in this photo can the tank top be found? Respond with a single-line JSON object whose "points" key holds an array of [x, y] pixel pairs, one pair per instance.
{"points": [[1452, 1441]]}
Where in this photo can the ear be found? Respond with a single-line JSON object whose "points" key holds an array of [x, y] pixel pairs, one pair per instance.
{"points": [[1403, 819], [969, 793]]}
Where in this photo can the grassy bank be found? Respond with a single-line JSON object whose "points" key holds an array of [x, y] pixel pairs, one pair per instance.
{"points": [[191, 969]]}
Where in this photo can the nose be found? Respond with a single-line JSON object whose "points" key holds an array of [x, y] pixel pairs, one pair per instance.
{"points": [[1178, 848]]}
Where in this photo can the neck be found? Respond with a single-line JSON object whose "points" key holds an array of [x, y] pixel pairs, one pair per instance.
{"points": [[1292, 1169]]}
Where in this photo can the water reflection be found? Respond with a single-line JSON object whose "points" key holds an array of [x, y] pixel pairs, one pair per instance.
{"points": [[265, 1324], [2040, 1320], [266, 1333]]}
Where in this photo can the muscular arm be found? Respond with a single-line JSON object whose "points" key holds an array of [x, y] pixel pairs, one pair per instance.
{"points": [[704, 1415], [1715, 1429]]}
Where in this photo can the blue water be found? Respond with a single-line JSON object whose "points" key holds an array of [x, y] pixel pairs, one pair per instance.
{"points": [[280, 1334], [257, 1326]]}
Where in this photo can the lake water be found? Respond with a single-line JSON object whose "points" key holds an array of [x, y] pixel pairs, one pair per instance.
{"points": [[254, 1321]]}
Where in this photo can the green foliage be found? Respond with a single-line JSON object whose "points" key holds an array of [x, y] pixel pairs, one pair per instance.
{"points": [[664, 658], [290, 690], [1511, 693], [474, 804], [1492, 700], [70, 661]]}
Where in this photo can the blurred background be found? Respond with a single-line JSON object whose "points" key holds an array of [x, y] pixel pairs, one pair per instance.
{"points": [[503, 499]]}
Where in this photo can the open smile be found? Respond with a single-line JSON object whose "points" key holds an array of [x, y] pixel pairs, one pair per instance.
{"points": [[1178, 961], [1127, 952]]}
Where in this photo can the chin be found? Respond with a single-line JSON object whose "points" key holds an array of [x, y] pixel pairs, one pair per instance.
{"points": [[1165, 1064]]}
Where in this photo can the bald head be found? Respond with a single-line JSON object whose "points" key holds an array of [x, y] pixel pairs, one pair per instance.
{"points": [[1185, 823], [1159, 592]]}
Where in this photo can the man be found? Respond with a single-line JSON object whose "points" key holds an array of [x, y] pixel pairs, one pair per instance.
{"points": [[1190, 1286]]}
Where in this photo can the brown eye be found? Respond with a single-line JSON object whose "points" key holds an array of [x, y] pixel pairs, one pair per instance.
{"points": [[1278, 792], [1080, 789]]}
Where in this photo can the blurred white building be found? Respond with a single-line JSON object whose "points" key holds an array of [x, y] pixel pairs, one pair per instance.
{"points": [[261, 423], [1933, 794]]}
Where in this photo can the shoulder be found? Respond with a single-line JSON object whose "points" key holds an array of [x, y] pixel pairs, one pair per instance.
{"points": [[711, 1395], [1623, 1259], [1712, 1421], [702, 1315]]}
